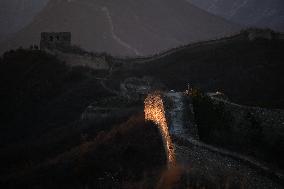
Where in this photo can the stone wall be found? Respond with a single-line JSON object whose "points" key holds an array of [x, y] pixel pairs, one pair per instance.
{"points": [[168, 111], [93, 62], [50, 40]]}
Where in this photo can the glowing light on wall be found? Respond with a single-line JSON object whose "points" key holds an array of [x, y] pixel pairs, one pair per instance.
{"points": [[154, 111]]}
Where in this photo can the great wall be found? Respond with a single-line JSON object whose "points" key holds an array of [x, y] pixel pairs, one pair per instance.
{"points": [[99, 62], [176, 124], [183, 147], [155, 111], [249, 34]]}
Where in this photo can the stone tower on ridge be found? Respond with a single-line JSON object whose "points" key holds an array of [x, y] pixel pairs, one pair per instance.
{"points": [[50, 40]]}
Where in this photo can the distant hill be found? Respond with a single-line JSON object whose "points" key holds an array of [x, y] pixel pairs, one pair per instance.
{"points": [[38, 89], [16, 14], [257, 13], [124, 28]]}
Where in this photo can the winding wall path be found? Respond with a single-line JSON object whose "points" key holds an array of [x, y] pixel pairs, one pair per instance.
{"points": [[116, 37], [167, 110]]}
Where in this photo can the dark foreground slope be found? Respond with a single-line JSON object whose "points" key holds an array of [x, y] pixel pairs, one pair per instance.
{"points": [[45, 143], [249, 72], [252, 131]]}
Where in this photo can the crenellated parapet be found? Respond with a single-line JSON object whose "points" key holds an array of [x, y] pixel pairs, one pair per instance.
{"points": [[51, 40]]}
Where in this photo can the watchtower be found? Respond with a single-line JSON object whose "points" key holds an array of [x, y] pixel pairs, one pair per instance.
{"points": [[254, 34], [51, 40]]}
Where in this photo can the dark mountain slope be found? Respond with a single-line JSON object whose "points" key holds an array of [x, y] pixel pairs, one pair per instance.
{"points": [[118, 158], [250, 72], [125, 27], [39, 92], [45, 144]]}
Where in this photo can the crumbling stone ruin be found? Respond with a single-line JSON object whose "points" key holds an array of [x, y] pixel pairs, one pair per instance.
{"points": [[50, 40], [59, 44], [255, 33]]}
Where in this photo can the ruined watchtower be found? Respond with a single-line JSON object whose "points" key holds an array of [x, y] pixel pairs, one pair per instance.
{"points": [[255, 33], [50, 40]]}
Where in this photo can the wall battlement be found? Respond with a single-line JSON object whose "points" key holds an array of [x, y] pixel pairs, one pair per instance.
{"points": [[51, 40]]}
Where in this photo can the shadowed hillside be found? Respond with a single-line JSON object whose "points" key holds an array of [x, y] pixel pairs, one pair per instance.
{"points": [[253, 131], [130, 155], [249, 72], [45, 143], [38, 89], [64, 126]]}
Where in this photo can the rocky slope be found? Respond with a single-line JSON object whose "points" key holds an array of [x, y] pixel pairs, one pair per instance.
{"points": [[125, 27], [261, 13]]}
